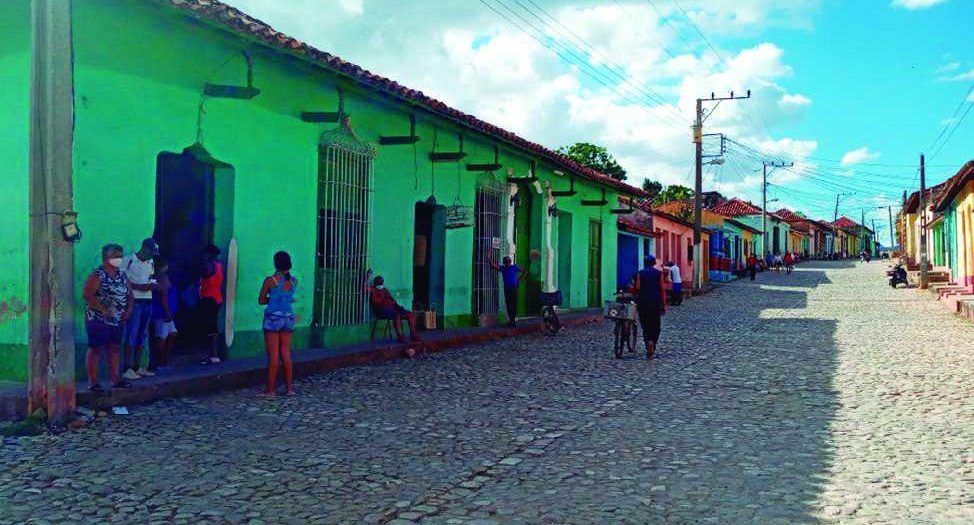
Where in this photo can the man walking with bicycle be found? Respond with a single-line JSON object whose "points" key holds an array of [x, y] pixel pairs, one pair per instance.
{"points": [[650, 302]]}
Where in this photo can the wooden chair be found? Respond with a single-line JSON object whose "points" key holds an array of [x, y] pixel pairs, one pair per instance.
{"points": [[388, 331]]}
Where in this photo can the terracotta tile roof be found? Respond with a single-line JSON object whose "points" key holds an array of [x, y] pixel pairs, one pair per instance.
{"points": [[673, 218], [954, 185], [845, 222], [789, 216], [933, 194], [230, 18], [674, 207], [736, 208], [633, 223]]}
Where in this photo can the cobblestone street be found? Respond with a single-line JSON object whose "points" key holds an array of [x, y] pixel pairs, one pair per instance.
{"points": [[819, 397]]}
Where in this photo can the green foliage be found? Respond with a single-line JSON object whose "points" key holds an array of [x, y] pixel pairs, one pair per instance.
{"points": [[674, 192], [595, 157], [652, 187]]}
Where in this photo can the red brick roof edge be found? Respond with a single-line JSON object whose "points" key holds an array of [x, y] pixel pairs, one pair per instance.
{"points": [[953, 186], [237, 21]]}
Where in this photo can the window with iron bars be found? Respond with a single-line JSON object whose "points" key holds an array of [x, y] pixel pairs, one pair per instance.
{"points": [[344, 232]]}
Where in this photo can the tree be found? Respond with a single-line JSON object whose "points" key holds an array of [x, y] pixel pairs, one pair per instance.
{"points": [[674, 192], [595, 157], [652, 187]]}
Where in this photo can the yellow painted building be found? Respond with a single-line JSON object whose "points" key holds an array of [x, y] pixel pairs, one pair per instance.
{"points": [[956, 205]]}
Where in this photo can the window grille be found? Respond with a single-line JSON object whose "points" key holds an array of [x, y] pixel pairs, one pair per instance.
{"points": [[489, 221], [344, 228]]}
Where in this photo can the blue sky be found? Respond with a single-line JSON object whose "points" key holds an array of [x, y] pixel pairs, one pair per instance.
{"points": [[851, 91]]}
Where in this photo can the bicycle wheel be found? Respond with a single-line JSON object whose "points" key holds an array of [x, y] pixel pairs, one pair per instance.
{"points": [[633, 336], [619, 338], [549, 319]]}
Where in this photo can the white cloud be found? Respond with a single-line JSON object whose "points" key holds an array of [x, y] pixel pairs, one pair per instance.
{"points": [[914, 5], [970, 98], [948, 67], [476, 61], [856, 156], [960, 77]]}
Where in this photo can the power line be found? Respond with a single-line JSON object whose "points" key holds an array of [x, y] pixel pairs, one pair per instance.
{"points": [[952, 117], [952, 131], [592, 51], [585, 68]]}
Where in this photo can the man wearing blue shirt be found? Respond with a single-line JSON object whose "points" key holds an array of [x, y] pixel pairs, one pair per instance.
{"points": [[511, 274]]}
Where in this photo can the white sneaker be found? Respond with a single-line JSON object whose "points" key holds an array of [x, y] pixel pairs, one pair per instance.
{"points": [[145, 372], [131, 375]]}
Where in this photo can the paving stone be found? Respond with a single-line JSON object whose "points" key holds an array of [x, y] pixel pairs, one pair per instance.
{"points": [[820, 397]]}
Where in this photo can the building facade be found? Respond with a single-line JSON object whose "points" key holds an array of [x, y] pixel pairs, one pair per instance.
{"points": [[248, 137]]}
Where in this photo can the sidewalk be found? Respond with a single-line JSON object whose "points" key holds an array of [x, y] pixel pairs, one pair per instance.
{"points": [[234, 374]]}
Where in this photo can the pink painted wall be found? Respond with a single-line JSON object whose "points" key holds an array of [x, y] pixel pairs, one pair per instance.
{"points": [[672, 242]]}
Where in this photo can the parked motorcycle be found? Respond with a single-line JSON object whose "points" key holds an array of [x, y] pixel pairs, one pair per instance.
{"points": [[897, 275]]}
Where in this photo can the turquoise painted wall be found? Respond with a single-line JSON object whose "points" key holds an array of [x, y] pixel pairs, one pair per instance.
{"points": [[755, 221], [140, 69], [14, 150]]}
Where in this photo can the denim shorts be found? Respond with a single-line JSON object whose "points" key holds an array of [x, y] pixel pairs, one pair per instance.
{"points": [[101, 334], [162, 328], [278, 322]]}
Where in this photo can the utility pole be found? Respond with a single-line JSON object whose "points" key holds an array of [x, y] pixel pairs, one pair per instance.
{"points": [[51, 342], [871, 244], [924, 276], [892, 242], [764, 198], [698, 185], [862, 231]]}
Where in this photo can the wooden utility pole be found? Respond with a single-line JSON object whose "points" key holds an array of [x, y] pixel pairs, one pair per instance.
{"points": [[698, 185], [892, 242], [764, 197], [924, 275], [52, 382]]}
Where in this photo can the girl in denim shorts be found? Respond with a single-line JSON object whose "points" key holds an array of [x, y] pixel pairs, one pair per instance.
{"points": [[277, 295]]}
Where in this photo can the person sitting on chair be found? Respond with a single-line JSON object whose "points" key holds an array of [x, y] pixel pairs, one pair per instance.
{"points": [[385, 307]]}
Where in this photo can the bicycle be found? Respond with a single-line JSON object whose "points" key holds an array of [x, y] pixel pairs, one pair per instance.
{"points": [[625, 332], [549, 315]]}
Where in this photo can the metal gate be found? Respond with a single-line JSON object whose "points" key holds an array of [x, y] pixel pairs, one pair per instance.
{"points": [[489, 211], [344, 228]]}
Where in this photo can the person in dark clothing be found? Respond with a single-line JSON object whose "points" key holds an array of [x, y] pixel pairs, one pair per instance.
{"points": [[650, 302], [511, 274], [752, 265]]}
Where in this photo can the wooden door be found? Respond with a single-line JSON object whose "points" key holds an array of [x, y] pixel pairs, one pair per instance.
{"points": [[594, 264]]}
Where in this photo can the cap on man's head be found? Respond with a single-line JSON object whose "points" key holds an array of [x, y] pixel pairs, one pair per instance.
{"points": [[650, 260], [150, 246]]}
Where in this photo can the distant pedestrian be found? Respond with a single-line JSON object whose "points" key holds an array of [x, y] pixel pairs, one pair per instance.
{"points": [[768, 261], [211, 298], [139, 268], [108, 304], [777, 262], [676, 283], [277, 295], [650, 302], [165, 299], [789, 262], [752, 265], [511, 274]]}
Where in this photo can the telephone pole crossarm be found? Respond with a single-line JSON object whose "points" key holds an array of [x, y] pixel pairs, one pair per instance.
{"points": [[698, 183]]}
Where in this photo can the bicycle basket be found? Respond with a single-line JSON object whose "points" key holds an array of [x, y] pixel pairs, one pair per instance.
{"points": [[550, 298], [617, 310]]}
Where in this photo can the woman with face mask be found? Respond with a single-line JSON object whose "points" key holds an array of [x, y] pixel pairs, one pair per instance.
{"points": [[108, 304]]}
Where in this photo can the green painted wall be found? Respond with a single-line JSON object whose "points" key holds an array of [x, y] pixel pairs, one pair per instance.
{"points": [[14, 150], [140, 72], [755, 221]]}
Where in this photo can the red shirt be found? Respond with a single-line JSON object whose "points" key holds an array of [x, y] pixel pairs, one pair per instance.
{"points": [[212, 287]]}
